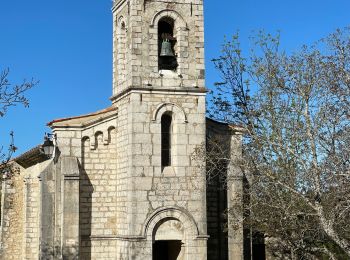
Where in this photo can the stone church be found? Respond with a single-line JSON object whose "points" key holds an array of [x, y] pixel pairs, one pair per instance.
{"points": [[122, 183]]}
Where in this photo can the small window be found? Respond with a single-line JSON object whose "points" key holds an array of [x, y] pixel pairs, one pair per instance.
{"points": [[166, 45], [166, 140]]}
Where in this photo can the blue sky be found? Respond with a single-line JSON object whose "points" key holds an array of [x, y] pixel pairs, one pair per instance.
{"points": [[67, 45]]}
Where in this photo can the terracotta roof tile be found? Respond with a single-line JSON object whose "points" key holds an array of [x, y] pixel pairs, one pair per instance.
{"points": [[106, 110]]}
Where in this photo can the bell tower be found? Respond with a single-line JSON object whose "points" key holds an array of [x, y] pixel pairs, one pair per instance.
{"points": [[159, 90], [158, 45]]}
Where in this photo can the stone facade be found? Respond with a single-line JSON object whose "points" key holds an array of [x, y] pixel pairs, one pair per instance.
{"points": [[106, 192]]}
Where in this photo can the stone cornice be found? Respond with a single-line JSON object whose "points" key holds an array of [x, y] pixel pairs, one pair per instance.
{"points": [[150, 90], [117, 5], [85, 124]]}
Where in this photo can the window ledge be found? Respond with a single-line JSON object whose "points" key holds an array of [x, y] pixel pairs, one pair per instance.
{"points": [[168, 74], [168, 171]]}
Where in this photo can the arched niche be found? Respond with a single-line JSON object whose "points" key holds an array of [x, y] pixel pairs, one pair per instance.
{"points": [[167, 44], [85, 148], [108, 136], [120, 55], [94, 140], [180, 42], [121, 25]]}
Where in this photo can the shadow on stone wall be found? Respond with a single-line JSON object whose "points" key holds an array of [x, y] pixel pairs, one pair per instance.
{"points": [[85, 209], [216, 220], [49, 253], [217, 198]]}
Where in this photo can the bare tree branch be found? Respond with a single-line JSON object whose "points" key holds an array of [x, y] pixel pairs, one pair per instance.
{"points": [[295, 110], [11, 95]]}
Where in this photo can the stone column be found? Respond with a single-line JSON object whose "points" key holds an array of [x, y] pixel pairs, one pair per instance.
{"points": [[70, 207], [235, 201]]}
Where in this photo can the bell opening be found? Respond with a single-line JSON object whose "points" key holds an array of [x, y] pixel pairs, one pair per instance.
{"points": [[166, 45]]}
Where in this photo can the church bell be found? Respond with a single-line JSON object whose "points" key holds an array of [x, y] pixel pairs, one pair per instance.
{"points": [[166, 50]]}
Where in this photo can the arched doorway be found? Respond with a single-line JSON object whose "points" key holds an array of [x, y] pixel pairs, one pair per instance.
{"points": [[166, 249], [168, 237]]}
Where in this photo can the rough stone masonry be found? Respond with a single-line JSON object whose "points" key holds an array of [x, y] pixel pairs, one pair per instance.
{"points": [[123, 182]]}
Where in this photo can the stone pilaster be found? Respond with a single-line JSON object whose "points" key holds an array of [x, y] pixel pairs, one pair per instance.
{"points": [[70, 207], [47, 212], [235, 202]]}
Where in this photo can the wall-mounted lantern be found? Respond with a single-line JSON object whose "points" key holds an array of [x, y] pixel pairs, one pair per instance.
{"points": [[48, 147]]}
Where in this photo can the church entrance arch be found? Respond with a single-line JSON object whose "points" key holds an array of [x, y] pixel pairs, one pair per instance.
{"points": [[168, 240], [172, 234]]}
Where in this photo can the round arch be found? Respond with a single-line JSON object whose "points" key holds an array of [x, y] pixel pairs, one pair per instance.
{"points": [[108, 135], [179, 113], [121, 23], [85, 138], [172, 213], [94, 139], [168, 13]]}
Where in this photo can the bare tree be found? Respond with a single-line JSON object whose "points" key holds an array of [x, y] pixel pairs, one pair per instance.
{"points": [[11, 95], [295, 112]]}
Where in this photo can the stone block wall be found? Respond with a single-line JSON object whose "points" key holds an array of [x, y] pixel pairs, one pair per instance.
{"points": [[120, 47], [69, 141], [32, 207], [98, 196], [99, 248], [148, 187], [12, 221], [20, 218]]}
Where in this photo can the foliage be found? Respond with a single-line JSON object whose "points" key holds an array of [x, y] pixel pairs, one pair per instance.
{"points": [[295, 112], [11, 95]]}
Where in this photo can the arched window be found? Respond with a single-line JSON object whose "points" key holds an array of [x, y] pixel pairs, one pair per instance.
{"points": [[121, 52], [166, 123], [166, 45]]}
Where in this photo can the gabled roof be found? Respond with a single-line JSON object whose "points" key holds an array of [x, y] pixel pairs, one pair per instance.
{"points": [[31, 157], [83, 120], [35, 155], [223, 125]]}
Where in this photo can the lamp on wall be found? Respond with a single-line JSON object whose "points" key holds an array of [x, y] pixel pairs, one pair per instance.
{"points": [[48, 147]]}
